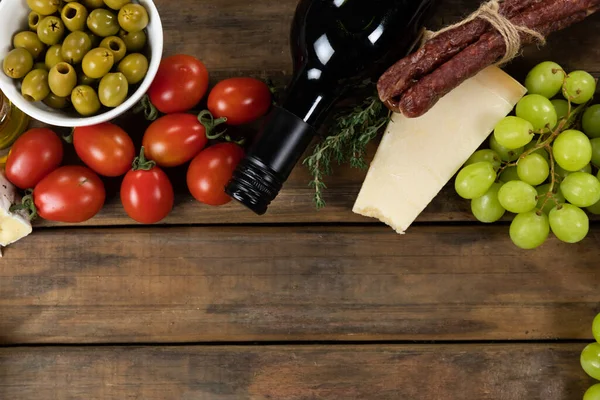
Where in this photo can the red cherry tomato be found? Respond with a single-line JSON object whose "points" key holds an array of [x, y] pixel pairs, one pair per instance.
{"points": [[105, 148], [179, 85], [210, 172], [146, 193], [174, 139], [240, 100], [33, 156], [69, 194]]}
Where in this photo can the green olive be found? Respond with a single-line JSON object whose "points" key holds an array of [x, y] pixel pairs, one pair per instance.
{"points": [[34, 20], [44, 7], [95, 39], [30, 42], [75, 46], [103, 23], [18, 63], [74, 16], [113, 90], [116, 45], [85, 100], [135, 41], [93, 4], [116, 4], [40, 65], [133, 17], [35, 85], [134, 67], [98, 62], [83, 79], [51, 30], [58, 103], [54, 56], [62, 79]]}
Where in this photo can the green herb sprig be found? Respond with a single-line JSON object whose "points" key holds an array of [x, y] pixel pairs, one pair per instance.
{"points": [[346, 142]]}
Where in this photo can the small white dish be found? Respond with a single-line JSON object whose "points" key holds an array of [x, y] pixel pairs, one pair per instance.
{"points": [[13, 19]]}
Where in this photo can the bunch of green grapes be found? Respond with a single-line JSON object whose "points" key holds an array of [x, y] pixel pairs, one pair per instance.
{"points": [[541, 161], [590, 361]]}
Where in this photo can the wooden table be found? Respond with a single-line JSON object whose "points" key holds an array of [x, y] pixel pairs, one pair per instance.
{"points": [[217, 303]]}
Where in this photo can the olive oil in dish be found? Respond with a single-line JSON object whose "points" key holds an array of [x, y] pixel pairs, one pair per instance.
{"points": [[13, 122]]}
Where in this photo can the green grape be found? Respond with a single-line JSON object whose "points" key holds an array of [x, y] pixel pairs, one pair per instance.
{"points": [[556, 198], [529, 230], [579, 87], [513, 132], [533, 169], [509, 174], [538, 110], [504, 153], [595, 209], [562, 109], [590, 360], [596, 328], [569, 223], [562, 173], [581, 189], [517, 197], [541, 152], [593, 393], [591, 121], [572, 150], [485, 155], [595, 151], [545, 79], [487, 208], [475, 180]]}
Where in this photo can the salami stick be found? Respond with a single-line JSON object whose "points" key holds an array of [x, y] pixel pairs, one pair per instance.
{"points": [[421, 97], [439, 50]]}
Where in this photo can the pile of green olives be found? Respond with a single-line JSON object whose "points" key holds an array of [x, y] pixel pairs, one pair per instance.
{"points": [[84, 54]]}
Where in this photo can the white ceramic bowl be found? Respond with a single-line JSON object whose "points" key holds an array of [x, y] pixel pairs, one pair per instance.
{"points": [[13, 19]]}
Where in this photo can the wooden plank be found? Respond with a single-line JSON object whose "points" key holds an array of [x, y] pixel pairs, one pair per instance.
{"points": [[251, 38], [294, 283], [483, 372]]}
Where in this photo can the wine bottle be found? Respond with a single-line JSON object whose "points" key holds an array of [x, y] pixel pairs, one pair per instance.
{"points": [[335, 44]]}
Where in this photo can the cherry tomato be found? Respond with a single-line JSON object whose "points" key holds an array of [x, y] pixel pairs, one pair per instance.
{"points": [[146, 192], [105, 148], [180, 84], [210, 172], [174, 139], [240, 100], [33, 156], [69, 194]]}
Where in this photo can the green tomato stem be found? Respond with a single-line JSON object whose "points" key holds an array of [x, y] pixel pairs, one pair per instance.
{"points": [[27, 204], [146, 106], [141, 163], [210, 123]]}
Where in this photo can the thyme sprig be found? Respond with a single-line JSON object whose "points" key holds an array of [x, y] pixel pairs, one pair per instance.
{"points": [[346, 142]]}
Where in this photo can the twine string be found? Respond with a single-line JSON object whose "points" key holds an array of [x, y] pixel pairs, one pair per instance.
{"points": [[510, 32]]}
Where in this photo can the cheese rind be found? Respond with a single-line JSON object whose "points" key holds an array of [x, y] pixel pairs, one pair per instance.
{"points": [[417, 157]]}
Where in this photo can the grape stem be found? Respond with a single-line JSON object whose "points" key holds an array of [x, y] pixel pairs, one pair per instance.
{"points": [[546, 144]]}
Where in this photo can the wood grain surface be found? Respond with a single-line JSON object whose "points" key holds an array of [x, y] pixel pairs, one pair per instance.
{"points": [[217, 303], [408, 372], [294, 283]]}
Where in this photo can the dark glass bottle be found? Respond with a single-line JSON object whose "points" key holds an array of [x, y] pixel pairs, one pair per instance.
{"points": [[336, 44]]}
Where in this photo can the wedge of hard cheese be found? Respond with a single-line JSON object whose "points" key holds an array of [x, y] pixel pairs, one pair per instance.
{"points": [[418, 157]]}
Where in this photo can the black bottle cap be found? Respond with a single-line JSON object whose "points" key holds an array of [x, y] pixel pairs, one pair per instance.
{"points": [[254, 184], [258, 178]]}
